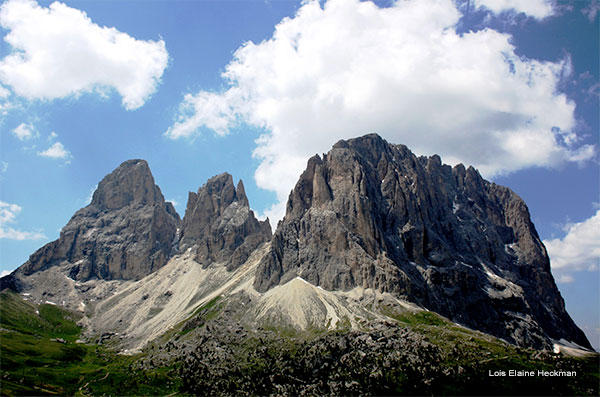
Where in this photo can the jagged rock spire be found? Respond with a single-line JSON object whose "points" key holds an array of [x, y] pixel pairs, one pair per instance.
{"points": [[219, 224]]}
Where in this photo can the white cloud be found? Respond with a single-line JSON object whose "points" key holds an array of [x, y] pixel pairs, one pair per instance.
{"points": [[578, 250], [352, 68], [58, 51], [564, 278], [56, 151], [538, 9], [53, 135], [208, 109], [90, 196], [5, 103], [4, 273], [591, 10], [8, 213], [13, 234], [4, 93], [24, 131]]}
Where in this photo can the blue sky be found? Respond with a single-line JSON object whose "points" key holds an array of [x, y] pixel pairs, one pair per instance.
{"points": [[254, 88]]}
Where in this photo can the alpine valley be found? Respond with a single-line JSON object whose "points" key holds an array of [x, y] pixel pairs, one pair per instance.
{"points": [[389, 274]]}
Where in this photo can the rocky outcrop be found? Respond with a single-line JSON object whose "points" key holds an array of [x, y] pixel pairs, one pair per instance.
{"points": [[219, 225], [374, 215], [125, 233]]}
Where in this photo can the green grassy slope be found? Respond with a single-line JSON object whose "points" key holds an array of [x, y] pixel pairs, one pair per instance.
{"points": [[32, 363]]}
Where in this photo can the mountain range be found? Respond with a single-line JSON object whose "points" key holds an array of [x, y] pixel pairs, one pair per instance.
{"points": [[371, 233]]}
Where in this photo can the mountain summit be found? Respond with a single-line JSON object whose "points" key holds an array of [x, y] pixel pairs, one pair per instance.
{"points": [[373, 215], [125, 233], [218, 222]]}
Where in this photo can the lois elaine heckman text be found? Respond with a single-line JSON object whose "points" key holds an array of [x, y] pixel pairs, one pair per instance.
{"points": [[525, 373]]}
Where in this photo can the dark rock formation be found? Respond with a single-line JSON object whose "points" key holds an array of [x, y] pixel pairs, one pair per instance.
{"points": [[126, 232], [10, 282], [373, 215], [219, 224]]}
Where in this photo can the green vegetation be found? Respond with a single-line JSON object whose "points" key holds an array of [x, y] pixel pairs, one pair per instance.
{"points": [[201, 316], [476, 355], [424, 354], [39, 356]]}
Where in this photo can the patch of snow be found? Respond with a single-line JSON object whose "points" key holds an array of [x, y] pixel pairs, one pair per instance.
{"points": [[455, 207], [466, 264], [567, 343], [50, 303], [26, 294], [407, 227], [128, 352], [489, 272], [89, 233], [570, 349]]}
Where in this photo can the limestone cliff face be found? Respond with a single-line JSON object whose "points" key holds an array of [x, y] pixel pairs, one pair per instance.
{"points": [[125, 233], [374, 215], [219, 225]]}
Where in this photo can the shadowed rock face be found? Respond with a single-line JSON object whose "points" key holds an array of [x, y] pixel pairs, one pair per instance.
{"points": [[219, 224], [126, 232], [374, 215]]}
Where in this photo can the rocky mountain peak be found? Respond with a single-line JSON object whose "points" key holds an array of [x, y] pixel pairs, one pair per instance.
{"points": [[240, 193], [219, 224], [130, 183], [126, 232], [374, 215]]}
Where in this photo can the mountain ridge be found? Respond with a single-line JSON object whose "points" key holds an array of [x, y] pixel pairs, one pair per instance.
{"points": [[367, 215]]}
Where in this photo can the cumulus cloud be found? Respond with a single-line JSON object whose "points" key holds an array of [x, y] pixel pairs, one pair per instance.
{"points": [[8, 213], [578, 250], [24, 131], [56, 151], [350, 68], [539, 9], [58, 51]]}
